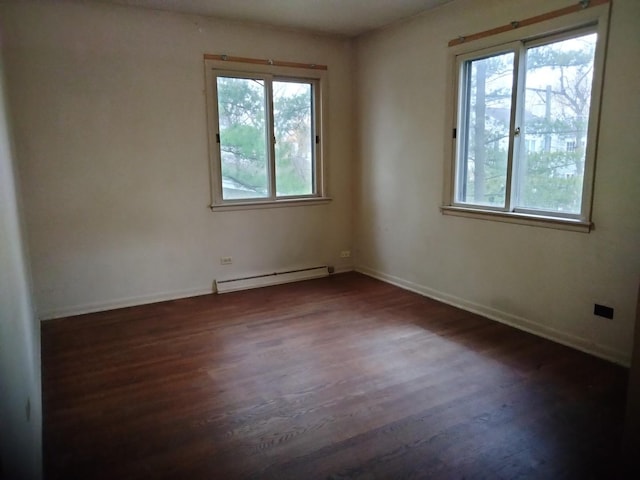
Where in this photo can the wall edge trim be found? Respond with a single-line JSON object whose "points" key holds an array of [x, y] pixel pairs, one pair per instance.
{"points": [[139, 300], [521, 323], [343, 269], [122, 303]]}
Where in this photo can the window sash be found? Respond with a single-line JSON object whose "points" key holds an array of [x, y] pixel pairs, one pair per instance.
{"points": [[218, 133], [215, 145], [589, 157], [315, 136], [463, 114], [515, 145]]}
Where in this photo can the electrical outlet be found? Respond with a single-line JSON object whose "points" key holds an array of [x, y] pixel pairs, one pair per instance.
{"points": [[226, 260], [602, 311], [345, 253]]}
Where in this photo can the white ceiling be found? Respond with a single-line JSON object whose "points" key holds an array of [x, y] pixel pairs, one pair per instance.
{"points": [[344, 17]]}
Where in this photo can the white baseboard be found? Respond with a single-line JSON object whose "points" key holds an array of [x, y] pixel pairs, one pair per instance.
{"points": [[121, 303], [521, 323], [343, 269]]}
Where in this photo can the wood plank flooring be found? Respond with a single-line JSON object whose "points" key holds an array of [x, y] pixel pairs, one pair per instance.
{"points": [[341, 378]]}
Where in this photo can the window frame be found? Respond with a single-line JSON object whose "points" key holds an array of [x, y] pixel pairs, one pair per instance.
{"points": [[270, 74], [518, 40]]}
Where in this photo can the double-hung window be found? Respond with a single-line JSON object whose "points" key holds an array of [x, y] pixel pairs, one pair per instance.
{"points": [[525, 127], [265, 138]]}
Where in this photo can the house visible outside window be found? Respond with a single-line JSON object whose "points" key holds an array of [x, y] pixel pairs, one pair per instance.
{"points": [[265, 138], [537, 98]]}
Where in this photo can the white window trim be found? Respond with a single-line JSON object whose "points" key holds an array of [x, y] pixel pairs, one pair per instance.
{"points": [[596, 17], [213, 68]]}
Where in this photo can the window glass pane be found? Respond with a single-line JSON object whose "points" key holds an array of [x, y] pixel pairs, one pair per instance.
{"points": [[292, 113], [243, 139], [485, 117], [556, 115]]}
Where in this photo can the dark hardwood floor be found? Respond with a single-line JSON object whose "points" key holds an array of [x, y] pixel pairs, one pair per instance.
{"points": [[339, 378]]}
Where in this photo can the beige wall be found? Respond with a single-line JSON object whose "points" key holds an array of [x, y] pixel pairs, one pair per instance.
{"points": [[110, 130], [20, 398], [540, 279]]}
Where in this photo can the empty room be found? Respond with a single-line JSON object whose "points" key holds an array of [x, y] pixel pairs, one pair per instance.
{"points": [[305, 239]]}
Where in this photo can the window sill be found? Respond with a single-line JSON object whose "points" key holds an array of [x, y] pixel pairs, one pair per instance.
{"points": [[520, 218], [253, 205]]}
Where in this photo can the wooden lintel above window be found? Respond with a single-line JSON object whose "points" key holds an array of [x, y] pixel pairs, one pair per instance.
{"points": [[581, 5], [259, 61]]}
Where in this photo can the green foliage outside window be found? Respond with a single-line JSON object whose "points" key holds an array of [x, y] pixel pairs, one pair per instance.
{"points": [[549, 164], [244, 144]]}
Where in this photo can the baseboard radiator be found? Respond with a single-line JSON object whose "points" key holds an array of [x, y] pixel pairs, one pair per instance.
{"points": [[267, 279]]}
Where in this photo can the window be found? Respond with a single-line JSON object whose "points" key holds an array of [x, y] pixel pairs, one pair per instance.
{"points": [[265, 140], [525, 125]]}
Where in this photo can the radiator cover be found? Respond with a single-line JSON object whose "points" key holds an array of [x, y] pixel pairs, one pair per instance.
{"points": [[267, 279]]}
